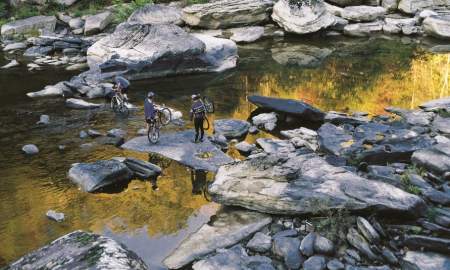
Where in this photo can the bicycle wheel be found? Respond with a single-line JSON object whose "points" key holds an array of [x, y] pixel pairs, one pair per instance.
{"points": [[123, 110], [114, 103], [207, 124], [209, 105], [153, 134], [165, 116]]}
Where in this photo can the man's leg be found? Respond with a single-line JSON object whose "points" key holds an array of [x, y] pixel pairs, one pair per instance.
{"points": [[197, 128], [202, 130]]}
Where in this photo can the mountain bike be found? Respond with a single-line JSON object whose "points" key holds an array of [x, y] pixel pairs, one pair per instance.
{"points": [[118, 105], [163, 118], [209, 108]]}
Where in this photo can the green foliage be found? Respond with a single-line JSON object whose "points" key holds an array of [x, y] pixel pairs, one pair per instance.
{"points": [[124, 10], [193, 2], [300, 3], [409, 187]]}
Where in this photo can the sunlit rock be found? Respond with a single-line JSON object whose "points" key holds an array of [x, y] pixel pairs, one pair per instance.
{"points": [[156, 14], [75, 103], [96, 23], [437, 26], [363, 29], [300, 55], [26, 26], [436, 158], [362, 13], [412, 6], [425, 261]]}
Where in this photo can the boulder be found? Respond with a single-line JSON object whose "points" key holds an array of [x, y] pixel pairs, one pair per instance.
{"points": [[234, 258], [273, 146], [81, 250], [436, 104], [231, 128], [286, 248], [179, 147], [50, 90], [142, 169], [43, 120], [335, 264], [76, 23], [227, 13], [245, 148], [307, 244], [339, 118], [303, 19], [297, 108], [38, 51], [362, 29], [157, 14], [30, 149], [94, 176], [300, 184], [146, 51], [360, 243], [367, 230], [437, 26], [13, 63], [428, 243], [96, 23], [315, 263], [441, 124], [117, 133], [390, 5], [323, 246], [299, 55], [344, 3], [435, 159], [266, 120], [75, 103], [260, 242], [425, 261], [28, 25], [362, 13], [246, 34], [53, 215], [227, 229], [14, 46], [412, 6]]}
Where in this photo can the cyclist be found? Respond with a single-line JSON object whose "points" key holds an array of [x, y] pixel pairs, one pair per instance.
{"points": [[121, 86], [198, 114], [149, 109]]}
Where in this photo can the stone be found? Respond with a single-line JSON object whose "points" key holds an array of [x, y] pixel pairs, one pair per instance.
{"points": [[142, 169], [299, 183], [286, 233], [299, 55], [335, 10], [362, 13], [30, 149], [302, 132], [116, 132], [50, 90], [304, 19], [436, 105], [231, 128], [425, 261], [178, 146], [75, 103], [297, 108], [28, 25], [360, 243], [13, 63], [428, 243], [412, 6], [14, 46], [260, 242], [391, 29], [53, 215], [226, 230], [116, 141], [245, 148], [344, 3], [156, 14], [415, 118], [273, 146], [94, 133], [246, 34], [265, 120], [315, 263], [390, 5], [435, 159], [441, 125], [37, 51], [44, 120], [79, 66], [97, 23], [389, 256], [307, 244], [362, 29], [94, 176], [227, 13], [366, 229], [287, 248], [81, 250], [83, 134], [76, 23], [427, 13], [182, 52], [338, 118], [335, 264], [323, 245]]}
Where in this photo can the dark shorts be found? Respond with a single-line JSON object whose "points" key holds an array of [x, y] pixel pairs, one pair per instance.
{"points": [[150, 120]]}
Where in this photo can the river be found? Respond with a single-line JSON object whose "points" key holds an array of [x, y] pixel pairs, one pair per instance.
{"points": [[332, 74]]}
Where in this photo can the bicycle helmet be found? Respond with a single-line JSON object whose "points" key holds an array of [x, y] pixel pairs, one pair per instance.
{"points": [[150, 94], [195, 97], [122, 82]]}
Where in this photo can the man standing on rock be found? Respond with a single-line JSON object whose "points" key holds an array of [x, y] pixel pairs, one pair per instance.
{"points": [[198, 114], [149, 109]]}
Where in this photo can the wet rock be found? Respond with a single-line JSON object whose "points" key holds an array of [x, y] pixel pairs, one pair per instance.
{"points": [[44, 120], [335, 264], [76, 23], [13, 63], [75, 103], [389, 256], [142, 169], [287, 248], [300, 55], [266, 120], [28, 25], [85, 250], [415, 118], [53, 215], [227, 13], [37, 51], [228, 229], [260, 242], [94, 133], [304, 19], [245, 148], [289, 106], [307, 244], [116, 141], [338, 118], [436, 158], [425, 261], [363, 29], [116, 132], [178, 146], [30, 149], [362, 13], [231, 128], [315, 263], [182, 53], [79, 66], [418, 242], [94, 176], [286, 233], [96, 23], [412, 6], [83, 134], [14, 46], [361, 244], [246, 34], [294, 184], [323, 245], [367, 230], [156, 14]]}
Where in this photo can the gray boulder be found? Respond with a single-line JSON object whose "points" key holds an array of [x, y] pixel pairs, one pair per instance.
{"points": [[156, 14], [13, 63], [229, 228], [338, 118], [231, 128], [360, 243], [227, 13], [435, 158], [362, 13], [315, 263], [390, 5], [287, 248], [436, 104], [53, 215], [76, 23], [26, 26], [38, 51], [142, 169], [299, 55], [428, 243], [94, 176], [14, 46], [363, 29], [425, 261], [412, 6], [307, 244], [246, 34], [245, 148], [303, 19], [96, 23], [146, 51], [75, 103], [273, 146], [367, 230], [437, 26], [335, 264], [260, 242], [30, 149], [81, 250], [323, 245], [50, 90], [441, 125], [296, 185]]}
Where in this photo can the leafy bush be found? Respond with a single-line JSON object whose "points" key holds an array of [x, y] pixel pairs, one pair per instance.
{"points": [[124, 10], [193, 2], [3, 10]]}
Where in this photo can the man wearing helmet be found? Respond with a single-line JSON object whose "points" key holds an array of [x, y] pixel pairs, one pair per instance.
{"points": [[198, 114], [121, 87], [149, 108]]}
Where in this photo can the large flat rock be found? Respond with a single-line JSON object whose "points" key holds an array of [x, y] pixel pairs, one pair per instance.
{"points": [[303, 183], [230, 227], [80, 250], [435, 158], [26, 26], [179, 147]]}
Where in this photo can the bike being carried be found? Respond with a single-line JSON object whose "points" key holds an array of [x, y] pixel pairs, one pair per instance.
{"points": [[119, 99], [200, 107], [155, 117]]}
